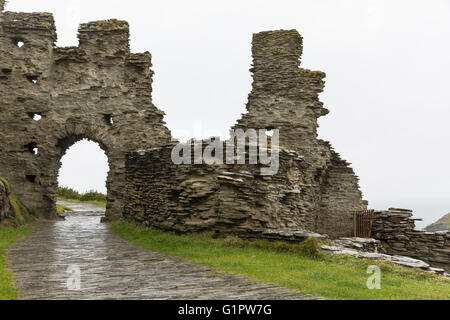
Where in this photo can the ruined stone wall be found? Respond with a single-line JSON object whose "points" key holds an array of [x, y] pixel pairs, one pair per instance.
{"points": [[396, 228], [286, 97], [228, 199], [98, 90], [102, 92], [236, 198]]}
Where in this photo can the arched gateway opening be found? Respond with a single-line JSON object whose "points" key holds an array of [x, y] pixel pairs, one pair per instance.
{"points": [[83, 173], [73, 166]]}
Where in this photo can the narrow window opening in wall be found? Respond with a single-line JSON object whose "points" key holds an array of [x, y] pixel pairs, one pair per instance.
{"points": [[19, 42], [31, 178], [108, 119], [32, 148], [33, 79], [36, 116]]}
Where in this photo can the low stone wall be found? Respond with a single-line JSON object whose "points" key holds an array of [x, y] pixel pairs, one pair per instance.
{"points": [[228, 199], [396, 228]]}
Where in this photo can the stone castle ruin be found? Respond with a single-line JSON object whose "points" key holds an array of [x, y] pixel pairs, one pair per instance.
{"points": [[52, 97], [98, 90], [102, 92]]}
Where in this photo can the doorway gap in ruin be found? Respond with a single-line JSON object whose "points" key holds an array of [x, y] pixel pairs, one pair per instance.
{"points": [[84, 165]]}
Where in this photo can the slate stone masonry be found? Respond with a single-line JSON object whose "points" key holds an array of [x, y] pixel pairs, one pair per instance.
{"points": [[227, 199], [396, 229], [235, 198], [52, 97]]}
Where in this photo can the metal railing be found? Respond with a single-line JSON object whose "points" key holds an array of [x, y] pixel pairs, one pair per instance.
{"points": [[344, 223], [362, 223]]}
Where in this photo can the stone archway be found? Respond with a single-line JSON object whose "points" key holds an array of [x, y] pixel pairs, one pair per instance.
{"points": [[52, 97], [112, 196]]}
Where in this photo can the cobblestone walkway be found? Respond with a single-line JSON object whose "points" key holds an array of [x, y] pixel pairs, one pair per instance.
{"points": [[45, 261]]}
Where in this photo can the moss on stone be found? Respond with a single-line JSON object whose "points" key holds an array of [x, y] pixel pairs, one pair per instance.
{"points": [[21, 213], [310, 73], [104, 25], [6, 184]]}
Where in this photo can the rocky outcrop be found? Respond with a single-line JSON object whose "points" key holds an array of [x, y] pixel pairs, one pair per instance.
{"points": [[442, 224], [396, 229]]}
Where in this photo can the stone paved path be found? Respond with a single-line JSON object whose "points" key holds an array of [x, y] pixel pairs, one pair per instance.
{"points": [[111, 268]]}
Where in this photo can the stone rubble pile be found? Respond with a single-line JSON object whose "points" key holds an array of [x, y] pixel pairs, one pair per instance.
{"points": [[359, 244]]}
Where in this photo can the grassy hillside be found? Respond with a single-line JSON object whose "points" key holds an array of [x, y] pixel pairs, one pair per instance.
{"points": [[298, 267], [440, 225]]}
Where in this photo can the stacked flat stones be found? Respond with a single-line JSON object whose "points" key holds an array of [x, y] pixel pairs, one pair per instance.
{"points": [[396, 228], [97, 90], [101, 91], [236, 198], [372, 249], [227, 199]]}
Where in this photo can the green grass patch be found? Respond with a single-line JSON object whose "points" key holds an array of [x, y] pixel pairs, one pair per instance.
{"points": [[297, 266], [71, 195], [7, 236], [94, 202], [61, 209]]}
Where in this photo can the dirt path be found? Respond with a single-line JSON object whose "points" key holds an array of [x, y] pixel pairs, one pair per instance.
{"points": [[80, 258]]}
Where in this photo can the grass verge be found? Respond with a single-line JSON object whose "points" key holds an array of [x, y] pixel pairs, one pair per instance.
{"points": [[60, 208], [323, 274], [8, 235]]}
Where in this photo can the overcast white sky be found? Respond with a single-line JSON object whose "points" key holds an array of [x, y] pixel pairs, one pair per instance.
{"points": [[387, 65]]}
